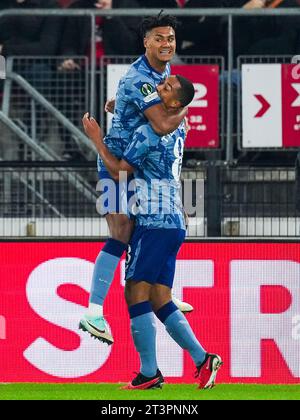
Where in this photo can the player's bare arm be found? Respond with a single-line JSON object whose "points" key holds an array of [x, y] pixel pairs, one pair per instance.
{"points": [[162, 121], [112, 164]]}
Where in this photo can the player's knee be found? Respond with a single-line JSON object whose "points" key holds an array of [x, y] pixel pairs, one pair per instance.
{"points": [[161, 292], [136, 292], [160, 296], [158, 302]]}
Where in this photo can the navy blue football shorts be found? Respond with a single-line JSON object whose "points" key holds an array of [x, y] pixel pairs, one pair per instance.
{"points": [[152, 255]]}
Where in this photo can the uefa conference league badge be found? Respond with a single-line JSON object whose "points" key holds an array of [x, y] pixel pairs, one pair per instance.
{"points": [[149, 92]]}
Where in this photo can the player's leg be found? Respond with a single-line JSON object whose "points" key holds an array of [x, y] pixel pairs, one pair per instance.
{"points": [[120, 227], [142, 264], [176, 323], [177, 326], [143, 331]]}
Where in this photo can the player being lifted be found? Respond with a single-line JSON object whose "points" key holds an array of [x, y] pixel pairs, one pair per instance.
{"points": [[137, 102], [156, 163]]}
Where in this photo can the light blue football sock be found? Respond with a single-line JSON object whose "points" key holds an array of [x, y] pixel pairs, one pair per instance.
{"points": [[104, 270], [180, 330], [143, 331]]}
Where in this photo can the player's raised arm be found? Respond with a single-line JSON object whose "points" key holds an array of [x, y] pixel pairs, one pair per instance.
{"points": [[112, 164]]}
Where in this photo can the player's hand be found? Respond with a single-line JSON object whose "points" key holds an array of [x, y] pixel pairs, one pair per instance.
{"points": [[92, 129], [69, 65], [255, 4], [110, 105], [104, 4]]}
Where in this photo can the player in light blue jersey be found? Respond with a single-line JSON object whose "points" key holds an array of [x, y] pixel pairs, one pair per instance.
{"points": [[157, 161], [137, 102], [159, 233], [135, 95]]}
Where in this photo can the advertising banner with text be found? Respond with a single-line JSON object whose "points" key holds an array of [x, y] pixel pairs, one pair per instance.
{"points": [[246, 299]]}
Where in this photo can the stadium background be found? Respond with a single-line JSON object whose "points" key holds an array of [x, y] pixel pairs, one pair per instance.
{"points": [[240, 267]]}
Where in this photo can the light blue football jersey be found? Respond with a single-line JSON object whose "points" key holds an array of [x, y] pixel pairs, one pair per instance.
{"points": [[136, 93], [158, 162]]}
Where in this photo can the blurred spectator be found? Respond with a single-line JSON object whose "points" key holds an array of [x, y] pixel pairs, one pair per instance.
{"points": [[201, 35], [197, 35], [282, 36], [115, 35], [162, 4], [30, 35], [256, 35], [159, 4], [264, 35], [65, 3]]}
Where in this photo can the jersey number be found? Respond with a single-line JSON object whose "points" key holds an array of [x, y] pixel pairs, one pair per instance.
{"points": [[178, 153]]}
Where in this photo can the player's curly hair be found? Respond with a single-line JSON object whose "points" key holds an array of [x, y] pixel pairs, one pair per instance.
{"points": [[151, 22]]}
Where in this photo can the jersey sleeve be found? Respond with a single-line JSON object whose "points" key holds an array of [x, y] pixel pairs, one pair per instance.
{"points": [[138, 149], [142, 92]]}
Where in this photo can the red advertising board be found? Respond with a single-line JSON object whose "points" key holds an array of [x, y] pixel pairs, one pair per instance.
{"points": [[203, 114], [247, 309]]}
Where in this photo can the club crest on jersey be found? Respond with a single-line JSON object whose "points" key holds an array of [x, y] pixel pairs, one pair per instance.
{"points": [[147, 89]]}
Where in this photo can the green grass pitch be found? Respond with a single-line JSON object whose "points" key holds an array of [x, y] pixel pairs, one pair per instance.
{"points": [[105, 392]]}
